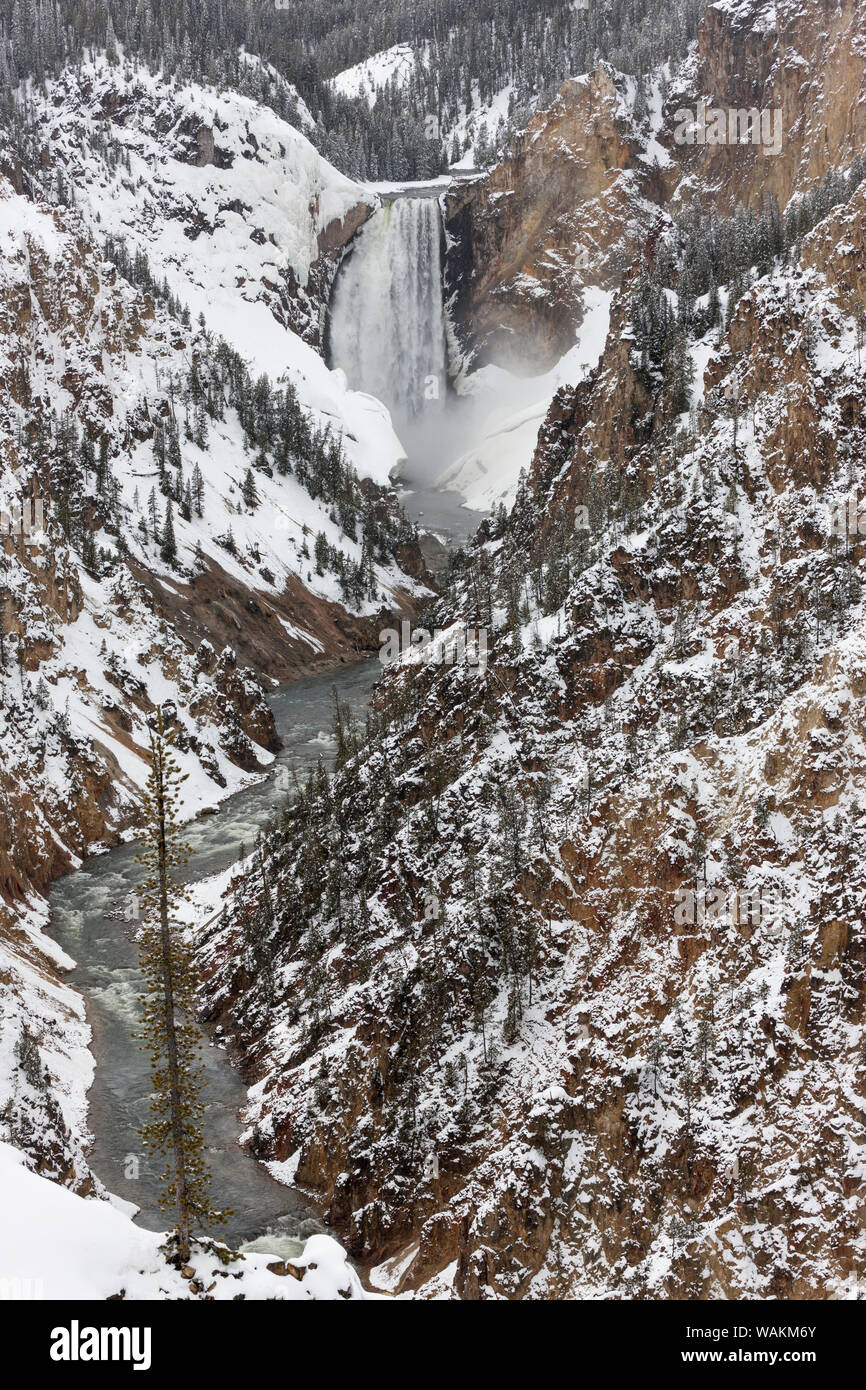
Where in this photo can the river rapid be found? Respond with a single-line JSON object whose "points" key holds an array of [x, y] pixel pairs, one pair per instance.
{"points": [[88, 920]]}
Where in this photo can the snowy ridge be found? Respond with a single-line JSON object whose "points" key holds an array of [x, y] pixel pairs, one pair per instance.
{"points": [[233, 207]]}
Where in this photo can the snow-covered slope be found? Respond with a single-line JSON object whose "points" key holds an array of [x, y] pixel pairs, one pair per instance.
{"points": [[82, 355], [473, 129], [365, 79], [233, 207], [56, 1245]]}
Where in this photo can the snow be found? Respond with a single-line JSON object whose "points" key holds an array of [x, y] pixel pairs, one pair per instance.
{"points": [[760, 18], [368, 77], [387, 1276], [53, 1012], [654, 152], [228, 240], [511, 409], [132, 374], [397, 65], [57, 1245], [481, 116]]}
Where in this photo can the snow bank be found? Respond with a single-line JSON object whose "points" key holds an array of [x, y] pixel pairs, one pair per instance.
{"points": [[511, 411], [57, 1245]]}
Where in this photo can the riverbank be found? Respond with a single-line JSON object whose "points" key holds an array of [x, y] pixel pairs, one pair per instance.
{"points": [[92, 924]]}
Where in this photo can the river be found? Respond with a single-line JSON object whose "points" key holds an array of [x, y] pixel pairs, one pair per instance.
{"points": [[402, 247], [87, 919]]}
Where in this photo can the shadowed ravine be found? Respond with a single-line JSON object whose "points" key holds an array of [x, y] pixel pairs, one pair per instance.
{"points": [[87, 914]]}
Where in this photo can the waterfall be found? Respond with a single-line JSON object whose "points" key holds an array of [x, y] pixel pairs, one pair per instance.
{"points": [[387, 328]]}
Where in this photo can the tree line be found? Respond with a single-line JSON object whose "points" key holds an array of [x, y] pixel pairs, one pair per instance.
{"points": [[463, 58]]}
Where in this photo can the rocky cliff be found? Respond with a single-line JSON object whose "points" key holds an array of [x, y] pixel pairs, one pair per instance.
{"points": [[805, 65], [558, 214], [568, 973], [591, 180]]}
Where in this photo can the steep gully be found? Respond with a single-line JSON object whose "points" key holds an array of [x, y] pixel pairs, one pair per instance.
{"points": [[388, 334]]}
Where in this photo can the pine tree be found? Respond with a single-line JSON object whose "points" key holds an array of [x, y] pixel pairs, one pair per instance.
{"points": [[153, 514], [250, 491], [168, 549], [168, 1031], [198, 491]]}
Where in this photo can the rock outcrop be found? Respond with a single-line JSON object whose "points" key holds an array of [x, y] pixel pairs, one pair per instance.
{"points": [[556, 215], [589, 183], [803, 64]]}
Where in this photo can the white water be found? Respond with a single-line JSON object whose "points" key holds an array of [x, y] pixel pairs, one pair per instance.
{"points": [[387, 333], [86, 916], [387, 328]]}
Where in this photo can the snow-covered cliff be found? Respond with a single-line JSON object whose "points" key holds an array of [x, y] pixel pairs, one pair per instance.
{"points": [[194, 521]]}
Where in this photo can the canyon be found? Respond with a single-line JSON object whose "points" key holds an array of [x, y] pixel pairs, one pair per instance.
{"points": [[505, 1051]]}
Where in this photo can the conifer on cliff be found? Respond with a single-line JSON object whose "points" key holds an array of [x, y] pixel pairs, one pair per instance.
{"points": [[169, 1032]]}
